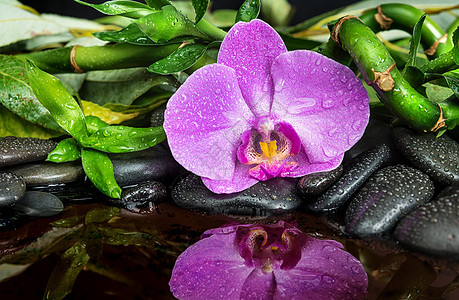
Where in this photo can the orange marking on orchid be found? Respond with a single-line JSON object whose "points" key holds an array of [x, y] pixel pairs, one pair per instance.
{"points": [[269, 149]]}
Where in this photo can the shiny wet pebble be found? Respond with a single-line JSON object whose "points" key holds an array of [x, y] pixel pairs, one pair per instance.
{"points": [[142, 197], [39, 204], [355, 174], [10, 218], [434, 227], [15, 150], [12, 188], [270, 197], [36, 174], [317, 183], [157, 116], [155, 164], [438, 157], [389, 195]]}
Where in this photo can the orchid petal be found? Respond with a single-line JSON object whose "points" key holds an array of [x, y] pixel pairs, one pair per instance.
{"points": [[236, 183], [305, 167], [325, 271], [208, 269], [204, 121], [258, 285], [250, 48], [323, 101]]}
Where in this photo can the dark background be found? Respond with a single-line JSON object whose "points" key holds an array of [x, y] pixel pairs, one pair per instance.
{"points": [[305, 9]]}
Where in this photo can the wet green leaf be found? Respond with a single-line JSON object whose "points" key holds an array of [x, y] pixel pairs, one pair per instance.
{"points": [[94, 123], [68, 222], [414, 43], [437, 93], [66, 150], [452, 78], [13, 125], [120, 139], [17, 95], [157, 4], [121, 86], [456, 46], [130, 9], [248, 11], [99, 169], [66, 272], [277, 12], [101, 214], [168, 23], [181, 59], [62, 106], [130, 34], [200, 7]]}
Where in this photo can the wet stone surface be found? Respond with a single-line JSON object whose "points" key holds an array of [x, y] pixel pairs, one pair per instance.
{"points": [[270, 197], [15, 150], [438, 157], [356, 172], [142, 197], [155, 164], [11, 219], [317, 183], [36, 174], [387, 197], [75, 192], [433, 228], [12, 188], [157, 116], [39, 204]]}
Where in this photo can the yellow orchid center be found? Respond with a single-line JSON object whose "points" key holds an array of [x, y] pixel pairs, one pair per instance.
{"points": [[269, 149]]}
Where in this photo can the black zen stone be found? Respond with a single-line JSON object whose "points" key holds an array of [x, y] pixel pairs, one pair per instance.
{"points": [[270, 197], [12, 188], [434, 227], [39, 204], [15, 150], [142, 197], [38, 174], [438, 157], [155, 164], [355, 174], [317, 183], [389, 195]]}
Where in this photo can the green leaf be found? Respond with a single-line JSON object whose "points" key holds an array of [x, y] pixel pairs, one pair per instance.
{"points": [[66, 150], [13, 125], [62, 106], [66, 271], [120, 139], [452, 78], [130, 34], [200, 7], [130, 9], [121, 86], [414, 43], [437, 93], [99, 169], [248, 11], [157, 4], [16, 94], [181, 59], [94, 123], [277, 12], [456, 46], [168, 23]]}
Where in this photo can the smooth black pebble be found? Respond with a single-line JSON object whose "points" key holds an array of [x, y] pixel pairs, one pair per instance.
{"points": [[389, 195], [11, 219], [14, 150], [317, 183], [142, 197], [39, 204], [270, 197], [12, 188], [434, 227], [355, 174], [438, 157]]}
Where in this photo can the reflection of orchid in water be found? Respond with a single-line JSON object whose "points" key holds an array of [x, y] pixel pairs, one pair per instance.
{"points": [[263, 112], [266, 262]]}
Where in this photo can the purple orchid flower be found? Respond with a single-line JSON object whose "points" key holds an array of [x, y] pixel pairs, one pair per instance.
{"points": [[266, 262], [263, 112]]}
